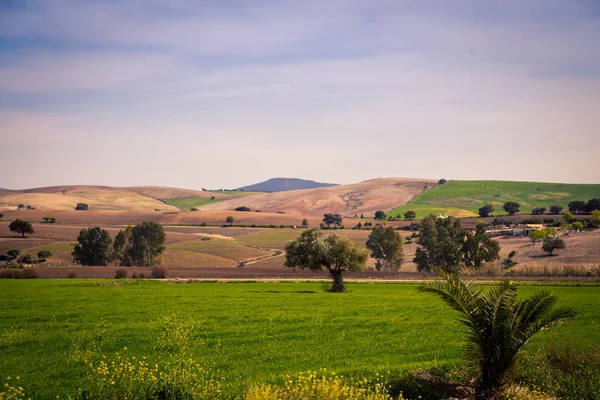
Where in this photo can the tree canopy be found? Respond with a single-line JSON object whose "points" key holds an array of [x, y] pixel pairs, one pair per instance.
{"points": [[94, 247], [511, 207], [486, 210], [552, 243], [385, 246], [410, 215], [380, 215], [21, 227], [555, 209], [332, 219], [313, 250]]}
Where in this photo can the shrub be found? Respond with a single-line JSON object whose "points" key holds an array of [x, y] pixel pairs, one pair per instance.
{"points": [[72, 275], [193, 209], [321, 385], [82, 206], [242, 208], [25, 259], [121, 273], [26, 273], [132, 378], [43, 254], [21, 227], [555, 209], [158, 272], [14, 253]]}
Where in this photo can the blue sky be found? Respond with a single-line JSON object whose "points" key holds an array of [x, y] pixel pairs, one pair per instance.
{"points": [[226, 93]]}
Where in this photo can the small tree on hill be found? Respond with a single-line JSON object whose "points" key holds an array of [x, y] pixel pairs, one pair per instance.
{"points": [[410, 215], [486, 210], [552, 243], [20, 206], [329, 219], [44, 254], [243, 208], [577, 207], [21, 227], [441, 181], [305, 223], [511, 207], [229, 220], [313, 250], [1, 216], [555, 209], [94, 247], [25, 259], [13, 253], [538, 211], [82, 206], [380, 215], [386, 247]]}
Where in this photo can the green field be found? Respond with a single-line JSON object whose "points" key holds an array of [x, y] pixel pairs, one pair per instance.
{"points": [[251, 332], [188, 203], [464, 198]]}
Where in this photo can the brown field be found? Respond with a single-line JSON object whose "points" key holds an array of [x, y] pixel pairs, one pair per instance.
{"points": [[364, 197]]}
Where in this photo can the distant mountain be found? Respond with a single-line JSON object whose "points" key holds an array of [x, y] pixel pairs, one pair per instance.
{"points": [[284, 185]]}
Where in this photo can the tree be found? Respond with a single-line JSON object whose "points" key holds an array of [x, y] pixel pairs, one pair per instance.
{"points": [[479, 248], [591, 206], [568, 217], [555, 209], [305, 223], [540, 234], [335, 219], [577, 207], [44, 254], [242, 208], [359, 226], [594, 221], [120, 247], [25, 259], [362, 216], [511, 207], [1, 216], [146, 244], [20, 206], [13, 253], [229, 220], [386, 247], [442, 241], [49, 220], [94, 247], [441, 181], [380, 215], [486, 210], [552, 243], [577, 225], [497, 323], [21, 227], [82, 206], [410, 215], [313, 250], [538, 211]]}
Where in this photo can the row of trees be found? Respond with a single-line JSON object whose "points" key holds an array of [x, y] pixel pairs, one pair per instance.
{"points": [[575, 207], [446, 245], [139, 245]]}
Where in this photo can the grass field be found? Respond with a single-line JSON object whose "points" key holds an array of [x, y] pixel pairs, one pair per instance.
{"points": [[464, 198], [251, 332]]}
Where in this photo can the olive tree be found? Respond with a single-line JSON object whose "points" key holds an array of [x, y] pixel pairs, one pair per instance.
{"points": [[313, 250], [21, 227], [386, 247]]}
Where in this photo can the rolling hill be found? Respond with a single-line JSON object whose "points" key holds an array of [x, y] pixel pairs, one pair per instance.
{"points": [[464, 198], [364, 197], [284, 185]]}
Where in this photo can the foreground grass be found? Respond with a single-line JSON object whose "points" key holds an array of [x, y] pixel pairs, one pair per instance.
{"points": [[464, 198], [251, 332]]}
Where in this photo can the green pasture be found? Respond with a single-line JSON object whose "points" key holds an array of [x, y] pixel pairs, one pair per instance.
{"points": [[251, 332], [188, 203], [464, 198]]}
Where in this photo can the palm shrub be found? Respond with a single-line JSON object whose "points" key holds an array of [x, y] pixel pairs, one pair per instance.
{"points": [[497, 323]]}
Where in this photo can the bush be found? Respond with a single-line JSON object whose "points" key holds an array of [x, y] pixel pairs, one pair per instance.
{"points": [[26, 273], [243, 208], [25, 259], [72, 275], [193, 209], [121, 273], [82, 206], [158, 272], [14, 253], [43, 254]]}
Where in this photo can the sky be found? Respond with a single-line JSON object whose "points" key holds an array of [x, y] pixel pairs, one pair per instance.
{"points": [[221, 94]]}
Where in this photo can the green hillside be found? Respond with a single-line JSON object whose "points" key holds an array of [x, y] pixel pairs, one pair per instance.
{"points": [[187, 203], [464, 198]]}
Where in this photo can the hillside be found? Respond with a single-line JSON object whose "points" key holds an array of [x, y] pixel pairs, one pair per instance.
{"points": [[464, 198], [364, 197], [67, 197], [284, 185]]}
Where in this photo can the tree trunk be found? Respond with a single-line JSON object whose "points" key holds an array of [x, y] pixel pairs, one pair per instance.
{"points": [[338, 281]]}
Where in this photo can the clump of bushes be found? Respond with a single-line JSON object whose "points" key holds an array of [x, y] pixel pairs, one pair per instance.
{"points": [[158, 272], [72, 275], [121, 273], [18, 273], [243, 208]]}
